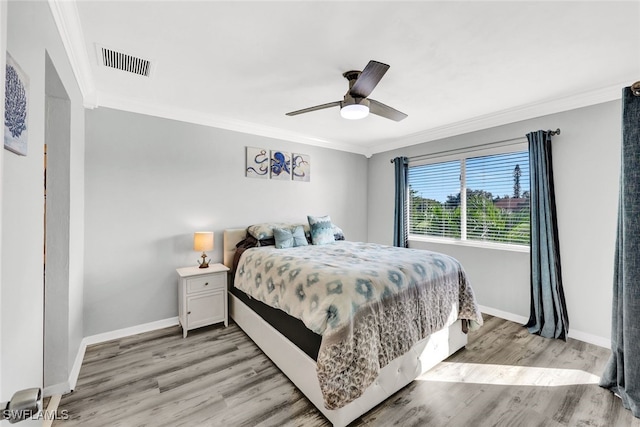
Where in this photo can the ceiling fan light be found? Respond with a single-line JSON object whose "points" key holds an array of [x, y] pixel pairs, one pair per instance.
{"points": [[354, 111]]}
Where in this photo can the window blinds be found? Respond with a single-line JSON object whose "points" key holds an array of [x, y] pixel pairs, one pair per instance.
{"points": [[494, 205]]}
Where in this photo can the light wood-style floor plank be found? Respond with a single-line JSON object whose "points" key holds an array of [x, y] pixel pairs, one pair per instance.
{"points": [[218, 377]]}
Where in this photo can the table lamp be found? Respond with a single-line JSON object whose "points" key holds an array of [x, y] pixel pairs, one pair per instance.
{"points": [[203, 241]]}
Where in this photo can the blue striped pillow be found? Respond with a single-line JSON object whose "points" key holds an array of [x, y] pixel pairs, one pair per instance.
{"points": [[321, 229]]}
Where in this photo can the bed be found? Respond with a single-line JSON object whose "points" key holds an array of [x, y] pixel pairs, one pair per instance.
{"points": [[301, 362]]}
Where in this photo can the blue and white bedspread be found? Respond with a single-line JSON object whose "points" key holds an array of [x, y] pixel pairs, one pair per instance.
{"points": [[371, 303]]}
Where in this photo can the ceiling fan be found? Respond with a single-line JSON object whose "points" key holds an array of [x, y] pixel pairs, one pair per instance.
{"points": [[356, 104]]}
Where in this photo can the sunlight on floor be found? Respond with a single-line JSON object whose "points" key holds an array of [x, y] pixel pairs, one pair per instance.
{"points": [[507, 375]]}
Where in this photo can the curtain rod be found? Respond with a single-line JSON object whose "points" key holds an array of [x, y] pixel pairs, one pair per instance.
{"points": [[503, 143]]}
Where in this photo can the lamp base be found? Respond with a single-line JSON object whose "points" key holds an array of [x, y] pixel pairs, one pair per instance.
{"points": [[204, 263]]}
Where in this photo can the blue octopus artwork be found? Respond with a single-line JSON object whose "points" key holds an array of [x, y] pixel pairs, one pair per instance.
{"points": [[280, 165]]}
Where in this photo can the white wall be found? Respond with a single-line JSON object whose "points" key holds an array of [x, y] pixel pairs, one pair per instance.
{"points": [[152, 182], [31, 33], [586, 159]]}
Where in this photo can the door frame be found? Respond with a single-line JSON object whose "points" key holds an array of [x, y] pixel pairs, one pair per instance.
{"points": [[3, 61]]}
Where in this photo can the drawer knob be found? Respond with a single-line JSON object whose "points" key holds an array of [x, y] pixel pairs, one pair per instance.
{"points": [[188, 312], [206, 284]]}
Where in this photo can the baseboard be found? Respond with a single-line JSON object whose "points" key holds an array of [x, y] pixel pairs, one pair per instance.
{"points": [[590, 338], [77, 364], [575, 334], [114, 335], [132, 330], [56, 389], [503, 314]]}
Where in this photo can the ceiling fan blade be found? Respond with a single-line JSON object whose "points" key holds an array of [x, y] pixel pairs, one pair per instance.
{"points": [[368, 79], [316, 108], [380, 109]]}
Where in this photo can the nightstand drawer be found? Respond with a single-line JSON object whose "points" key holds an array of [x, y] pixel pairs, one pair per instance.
{"points": [[207, 282]]}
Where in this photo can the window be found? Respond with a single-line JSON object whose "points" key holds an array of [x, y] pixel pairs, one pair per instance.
{"points": [[483, 198]]}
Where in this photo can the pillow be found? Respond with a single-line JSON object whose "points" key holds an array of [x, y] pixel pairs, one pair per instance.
{"points": [[289, 237], [321, 229], [264, 230], [338, 234], [284, 237], [299, 236]]}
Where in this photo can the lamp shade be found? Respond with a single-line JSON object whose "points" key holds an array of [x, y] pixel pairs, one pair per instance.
{"points": [[203, 241]]}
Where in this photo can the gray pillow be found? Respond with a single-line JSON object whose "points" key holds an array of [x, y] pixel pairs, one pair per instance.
{"points": [[289, 237]]}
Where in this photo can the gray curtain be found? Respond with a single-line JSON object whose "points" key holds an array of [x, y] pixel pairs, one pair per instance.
{"points": [[622, 373], [400, 225], [548, 316]]}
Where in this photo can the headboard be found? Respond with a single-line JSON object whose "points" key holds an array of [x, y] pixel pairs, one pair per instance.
{"points": [[231, 238]]}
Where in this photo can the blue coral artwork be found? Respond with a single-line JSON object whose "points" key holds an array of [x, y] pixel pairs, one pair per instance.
{"points": [[16, 108], [257, 163], [280, 165], [301, 167]]}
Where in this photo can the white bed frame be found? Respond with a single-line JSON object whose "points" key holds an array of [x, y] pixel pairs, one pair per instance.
{"points": [[301, 369]]}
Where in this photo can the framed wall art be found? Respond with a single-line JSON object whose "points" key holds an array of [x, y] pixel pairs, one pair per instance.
{"points": [[277, 165], [301, 167], [16, 108], [257, 163], [280, 165]]}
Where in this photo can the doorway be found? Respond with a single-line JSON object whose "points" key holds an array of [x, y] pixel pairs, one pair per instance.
{"points": [[56, 359]]}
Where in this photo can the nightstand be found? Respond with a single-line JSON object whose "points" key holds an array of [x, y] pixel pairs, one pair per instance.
{"points": [[202, 296]]}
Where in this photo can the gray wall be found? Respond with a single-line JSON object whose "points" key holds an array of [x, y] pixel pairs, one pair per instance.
{"points": [[586, 160], [31, 35], [152, 182]]}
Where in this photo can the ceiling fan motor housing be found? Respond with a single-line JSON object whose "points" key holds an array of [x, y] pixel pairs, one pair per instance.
{"points": [[350, 100], [360, 105], [352, 76]]}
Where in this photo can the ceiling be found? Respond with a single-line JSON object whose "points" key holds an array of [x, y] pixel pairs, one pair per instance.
{"points": [[455, 66]]}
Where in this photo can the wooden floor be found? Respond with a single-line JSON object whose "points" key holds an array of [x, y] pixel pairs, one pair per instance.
{"points": [[218, 377]]}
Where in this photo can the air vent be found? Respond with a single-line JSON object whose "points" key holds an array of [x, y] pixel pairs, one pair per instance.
{"points": [[125, 62]]}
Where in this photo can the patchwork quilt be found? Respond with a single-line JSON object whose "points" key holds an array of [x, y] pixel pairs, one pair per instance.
{"points": [[371, 303]]}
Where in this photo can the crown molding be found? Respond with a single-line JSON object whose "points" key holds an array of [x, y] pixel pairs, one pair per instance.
{"points": [[504, 117], [67, 19], [512, 115], [197, 117]]}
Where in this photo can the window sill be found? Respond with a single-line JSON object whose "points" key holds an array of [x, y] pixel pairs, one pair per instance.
{"points": [[470, 243]]}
